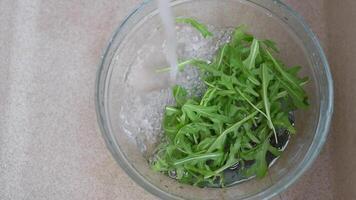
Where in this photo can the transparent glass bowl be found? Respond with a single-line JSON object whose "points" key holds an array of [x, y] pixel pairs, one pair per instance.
{"points": [[135, 51]]}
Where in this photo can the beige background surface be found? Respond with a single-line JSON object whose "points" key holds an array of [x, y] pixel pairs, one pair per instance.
{"points": [[50, 144]]}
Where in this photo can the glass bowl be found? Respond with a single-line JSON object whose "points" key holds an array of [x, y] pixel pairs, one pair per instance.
{"points": [[130, 96]]}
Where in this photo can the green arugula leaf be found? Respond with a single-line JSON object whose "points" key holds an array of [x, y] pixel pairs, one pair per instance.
{"points": [[290, 83], [240, 35], [219, 142], [270, 45], [181, 65], [265, 81], [282, 120], [194, 158], [194, 23], [235, 61], [231, 160], [260, 160], [209, 112], [251, 59], [180, 95]]}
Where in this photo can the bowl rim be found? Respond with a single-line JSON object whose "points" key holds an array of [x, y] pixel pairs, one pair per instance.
{"points": [[267, 193]]}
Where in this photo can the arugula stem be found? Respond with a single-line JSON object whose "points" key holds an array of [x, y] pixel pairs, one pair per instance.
{"points": [[198, 158], [195, 24], [221, 56], [181, 66], [265, 82], [249, 102]]}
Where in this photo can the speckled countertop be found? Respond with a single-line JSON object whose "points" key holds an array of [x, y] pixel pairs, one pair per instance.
{"points": [[50, 144]]}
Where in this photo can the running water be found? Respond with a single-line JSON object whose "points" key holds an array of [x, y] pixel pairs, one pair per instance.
{"points": [[167, 19]]}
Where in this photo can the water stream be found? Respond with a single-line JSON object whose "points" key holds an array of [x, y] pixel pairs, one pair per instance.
{"points": [[167, 19]]}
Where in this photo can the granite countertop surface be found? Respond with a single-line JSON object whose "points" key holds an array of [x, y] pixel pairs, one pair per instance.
{"points": [[50, 143]]}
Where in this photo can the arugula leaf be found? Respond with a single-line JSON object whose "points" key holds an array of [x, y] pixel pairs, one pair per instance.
{"points": [[240, 35], [260, 160], [235, 61], [194, 158], [209, 112], [251, 59], [282, 120], [170, 125], [194, 23], [180, 95], [265, 81], [205, 143], [221, 55], [270, 45], [219, 142], [181, 66], [252, 137], [274, 150], [290, 83], [209, 94], [231, 160]]}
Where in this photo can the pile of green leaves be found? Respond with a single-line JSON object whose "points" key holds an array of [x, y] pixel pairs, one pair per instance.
{"points": [[248, 99]]}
